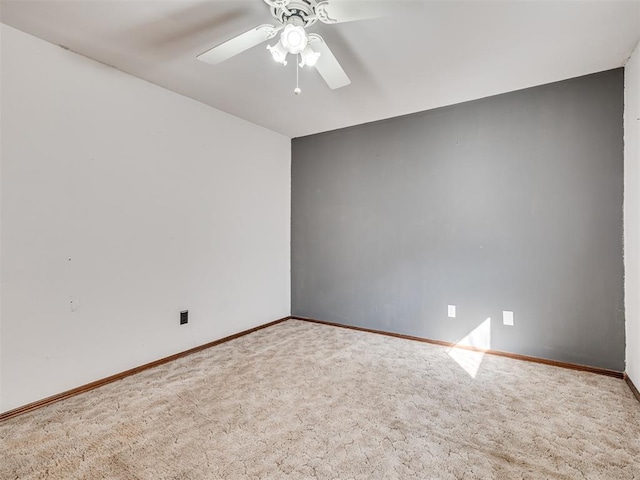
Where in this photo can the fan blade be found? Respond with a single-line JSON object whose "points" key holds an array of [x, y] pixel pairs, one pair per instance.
{"points": [[340, 11], [327, 65], [239, 44]]}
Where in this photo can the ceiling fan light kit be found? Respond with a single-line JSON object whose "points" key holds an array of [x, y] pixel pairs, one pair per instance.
{"points": [[293, 40], [294, 16]]}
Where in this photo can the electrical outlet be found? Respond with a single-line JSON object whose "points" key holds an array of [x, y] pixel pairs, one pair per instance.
{"points": [[451, 311], [507, 318], [184, 317]]}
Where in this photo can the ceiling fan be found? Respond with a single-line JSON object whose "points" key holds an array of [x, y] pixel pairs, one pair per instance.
{"points": [[293, 17]]}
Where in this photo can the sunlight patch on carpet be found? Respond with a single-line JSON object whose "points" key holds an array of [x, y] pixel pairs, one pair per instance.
{"points": [[469, 360]]}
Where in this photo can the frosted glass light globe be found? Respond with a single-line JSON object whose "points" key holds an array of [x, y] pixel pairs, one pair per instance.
{"points": [[294, 39], [278, 52], [309, 57]]}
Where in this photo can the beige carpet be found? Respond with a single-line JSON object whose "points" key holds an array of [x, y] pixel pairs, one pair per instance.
{"points": [[300, 400]]}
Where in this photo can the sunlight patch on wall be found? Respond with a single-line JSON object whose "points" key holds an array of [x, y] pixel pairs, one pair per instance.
{"points": [[469, 360]]}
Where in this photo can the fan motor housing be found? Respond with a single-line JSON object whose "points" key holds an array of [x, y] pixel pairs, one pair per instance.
{"points": [[297, 12]]}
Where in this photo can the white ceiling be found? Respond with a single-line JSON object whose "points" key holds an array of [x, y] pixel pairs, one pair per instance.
{"points": [[452, 52]]}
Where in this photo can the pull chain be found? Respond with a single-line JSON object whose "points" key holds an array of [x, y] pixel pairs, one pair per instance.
{"points": [[297, 90]]}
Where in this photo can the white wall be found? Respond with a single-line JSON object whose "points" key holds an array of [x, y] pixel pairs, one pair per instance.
{"points": [[632, 213], [127, 203]]}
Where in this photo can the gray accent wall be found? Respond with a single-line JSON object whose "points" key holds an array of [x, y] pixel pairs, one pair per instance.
{"points": [[512, 202]]}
